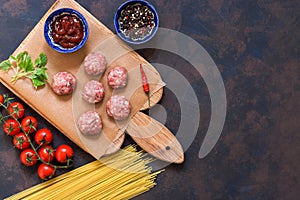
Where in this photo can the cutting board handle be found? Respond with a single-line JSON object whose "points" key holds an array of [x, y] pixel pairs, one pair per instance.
{"points": [[155, 138]]}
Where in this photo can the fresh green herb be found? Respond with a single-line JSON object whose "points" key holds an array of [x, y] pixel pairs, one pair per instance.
{"points": [[24, 67], [41, 61], [5, 65]]}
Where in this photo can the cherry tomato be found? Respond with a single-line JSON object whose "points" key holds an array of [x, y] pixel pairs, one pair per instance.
{"points": [[43, 136], [11, 127], [46, 172], [1, 99], [21, 141], [46, 153], [29, 124], [64, 153], [28, 157], [16, 110]]}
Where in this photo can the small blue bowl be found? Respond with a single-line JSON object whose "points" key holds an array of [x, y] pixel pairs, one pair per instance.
{"points": [[128, 38], [48, 30]]}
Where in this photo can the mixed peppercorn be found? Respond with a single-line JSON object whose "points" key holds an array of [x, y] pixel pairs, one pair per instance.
{"points": [[136, 21]]}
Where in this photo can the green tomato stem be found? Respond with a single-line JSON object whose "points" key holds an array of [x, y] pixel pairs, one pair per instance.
{"points": [[69, 164]]}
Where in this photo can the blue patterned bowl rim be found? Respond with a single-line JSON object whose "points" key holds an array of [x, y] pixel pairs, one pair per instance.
{"points": [[129, 40], [47, 30]]}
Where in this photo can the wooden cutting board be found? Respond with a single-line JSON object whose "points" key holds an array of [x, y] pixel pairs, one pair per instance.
{"points": [[63, 111]]}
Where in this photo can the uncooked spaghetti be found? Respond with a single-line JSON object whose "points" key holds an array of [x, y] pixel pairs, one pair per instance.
{"points": [[122, 175]]}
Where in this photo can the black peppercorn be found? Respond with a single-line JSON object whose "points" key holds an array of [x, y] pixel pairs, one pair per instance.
{"points": [[136, 21]]}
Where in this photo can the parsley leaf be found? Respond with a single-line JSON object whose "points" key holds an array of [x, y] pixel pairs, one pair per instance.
{"points": [[25, 62], [41, 61], [24, 67], [5, 65], [37, 82], [38, 76]]}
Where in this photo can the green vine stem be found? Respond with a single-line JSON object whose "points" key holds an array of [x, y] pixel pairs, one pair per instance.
{"points": [[35, 149]]}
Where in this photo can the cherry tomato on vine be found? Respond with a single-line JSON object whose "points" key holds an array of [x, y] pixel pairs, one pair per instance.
{"points": [[46, 172], [11, 127], [29, 124], [21, 141], [46, 153], [1, 99], [16, 110], [43, 136], [28, 157], [64, 153]]}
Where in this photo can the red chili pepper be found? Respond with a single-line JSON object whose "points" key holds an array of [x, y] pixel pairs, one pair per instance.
{"points": [[145, 83]]}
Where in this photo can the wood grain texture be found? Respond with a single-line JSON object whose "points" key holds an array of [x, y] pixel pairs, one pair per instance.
{"points": [[117, 143], [154, 99], [63, 111], [255, 45], [155, 138]]}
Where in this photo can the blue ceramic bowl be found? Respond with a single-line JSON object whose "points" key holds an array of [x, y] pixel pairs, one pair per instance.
{"points": [[128, 38], [48, 30]]}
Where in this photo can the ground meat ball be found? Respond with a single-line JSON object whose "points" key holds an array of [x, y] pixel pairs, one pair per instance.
{"points": [[93, 92], [63, 83], [90, 123], [95, 63], [117, 77], [118, 107]]}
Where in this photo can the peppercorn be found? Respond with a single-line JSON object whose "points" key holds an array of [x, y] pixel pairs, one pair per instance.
{"points": [[136, 21]]}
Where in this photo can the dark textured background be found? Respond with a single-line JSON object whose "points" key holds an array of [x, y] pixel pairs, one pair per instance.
{"points": [[255, 45]]}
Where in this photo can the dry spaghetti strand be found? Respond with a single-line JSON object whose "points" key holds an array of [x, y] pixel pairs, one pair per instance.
{"points": [[122, 175]]}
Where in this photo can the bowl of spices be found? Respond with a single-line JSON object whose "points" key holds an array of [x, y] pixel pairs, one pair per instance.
{"points": [[66, 30], [136, 21]]}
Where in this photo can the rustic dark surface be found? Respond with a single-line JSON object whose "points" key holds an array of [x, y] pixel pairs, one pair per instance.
{"points": [[255, 45]]}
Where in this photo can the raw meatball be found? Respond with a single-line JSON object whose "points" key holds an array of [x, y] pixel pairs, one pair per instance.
{"points": [[90, 123], [118, 107], [93, 92], [117, 77], [95, 63], [63, 83]]}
